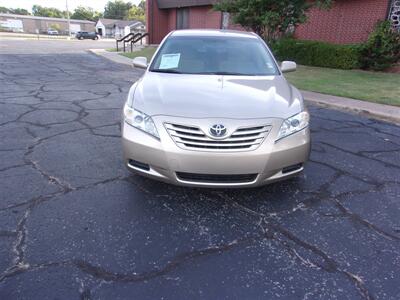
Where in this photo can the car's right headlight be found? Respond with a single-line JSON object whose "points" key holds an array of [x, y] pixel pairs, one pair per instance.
{"points": [[293, 124], [140, 121]]}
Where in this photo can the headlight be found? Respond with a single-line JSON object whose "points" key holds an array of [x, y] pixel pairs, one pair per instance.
{"points": [[294, 124], [140, 121]]}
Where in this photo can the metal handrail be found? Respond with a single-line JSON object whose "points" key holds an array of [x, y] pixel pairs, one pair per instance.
{"points": [[139, 38], [131, 39], [123, 39]]}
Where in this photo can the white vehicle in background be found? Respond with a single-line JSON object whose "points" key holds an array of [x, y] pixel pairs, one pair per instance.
{"points": [[52, 31]]}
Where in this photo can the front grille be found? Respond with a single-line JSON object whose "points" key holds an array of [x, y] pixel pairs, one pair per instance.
{"points": [[215, 178], [193, 138]]}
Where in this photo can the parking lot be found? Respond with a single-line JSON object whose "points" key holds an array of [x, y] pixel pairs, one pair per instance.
{"points": [[75, 224]]}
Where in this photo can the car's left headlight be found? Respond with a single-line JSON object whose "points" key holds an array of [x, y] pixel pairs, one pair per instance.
{"points": [[293, 124], [140, 121]]}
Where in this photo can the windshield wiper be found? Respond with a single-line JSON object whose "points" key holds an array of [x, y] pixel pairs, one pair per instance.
{"points": [[200, 73], [224, 73], [165, 71]]}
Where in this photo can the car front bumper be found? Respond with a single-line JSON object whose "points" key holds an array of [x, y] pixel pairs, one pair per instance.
{"points": [[165, 161]]}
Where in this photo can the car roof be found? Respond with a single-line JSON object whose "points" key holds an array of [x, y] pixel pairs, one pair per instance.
{"points": [[214, 33]]}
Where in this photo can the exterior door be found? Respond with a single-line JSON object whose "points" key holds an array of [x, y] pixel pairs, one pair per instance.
{"points": [[225, 20], [182, 18]]}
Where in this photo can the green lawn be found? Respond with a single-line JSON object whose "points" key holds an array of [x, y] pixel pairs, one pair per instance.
{"points": [[370, 86], [146, 52]]}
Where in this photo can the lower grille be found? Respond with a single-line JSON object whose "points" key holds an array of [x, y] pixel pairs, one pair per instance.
{"points": [[215, 178]]}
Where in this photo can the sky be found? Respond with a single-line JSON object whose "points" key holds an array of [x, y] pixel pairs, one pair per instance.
{"points": [[60, 4]]}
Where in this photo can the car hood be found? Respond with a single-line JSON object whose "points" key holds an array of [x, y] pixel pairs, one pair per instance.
{"points": [[215, 96]]}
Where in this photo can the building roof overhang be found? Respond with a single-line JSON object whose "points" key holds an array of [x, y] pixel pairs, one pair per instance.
{"points": [[164, 4], [110, 23]]}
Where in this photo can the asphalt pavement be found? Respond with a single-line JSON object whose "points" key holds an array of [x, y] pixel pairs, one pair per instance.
{"points": [[75, 224]]}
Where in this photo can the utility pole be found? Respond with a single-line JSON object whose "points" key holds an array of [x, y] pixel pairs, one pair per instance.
{"points": [[68, 22]]}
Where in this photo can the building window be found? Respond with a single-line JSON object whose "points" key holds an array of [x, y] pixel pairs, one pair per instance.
{"points": [[394, 14], [182, 18]]}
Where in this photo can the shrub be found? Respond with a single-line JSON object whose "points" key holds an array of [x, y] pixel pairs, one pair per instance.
{"points": [[382, 49], [318, 54]]}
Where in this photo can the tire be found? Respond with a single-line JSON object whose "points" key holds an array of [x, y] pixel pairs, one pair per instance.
{"points": [[96, 38], [81, 37]]}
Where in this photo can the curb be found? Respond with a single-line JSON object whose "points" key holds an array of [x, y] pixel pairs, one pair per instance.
{"points": [[372, 110], [113, 56]]}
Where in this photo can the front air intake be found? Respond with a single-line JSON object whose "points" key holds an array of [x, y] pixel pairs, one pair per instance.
{"points": [[139, 165], [216, 178], [292, 168]]}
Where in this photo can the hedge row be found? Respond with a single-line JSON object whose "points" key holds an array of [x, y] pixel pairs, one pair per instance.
{"points": [[318, 54]]}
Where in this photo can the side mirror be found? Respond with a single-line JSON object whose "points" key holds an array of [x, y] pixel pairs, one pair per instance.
{"points": [[288, 66], [140, 62]]}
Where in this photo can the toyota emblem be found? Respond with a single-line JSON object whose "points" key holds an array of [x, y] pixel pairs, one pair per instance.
{"points": [[218, 130]]}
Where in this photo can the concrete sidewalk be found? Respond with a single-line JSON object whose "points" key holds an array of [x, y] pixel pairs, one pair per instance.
{"points": [[373, 110], [113, 56]]}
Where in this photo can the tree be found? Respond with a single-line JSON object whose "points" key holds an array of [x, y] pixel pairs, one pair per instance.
{"points": [[97, 15], [382, 50], [136, 13], [269, 18], [52, 12], [17, 11], [142, 5], [20, 11], [117, 9], [85, 13], [55, 27]]}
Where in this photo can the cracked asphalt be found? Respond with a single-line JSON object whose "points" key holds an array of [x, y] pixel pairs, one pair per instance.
{"points": [[74, 224]]}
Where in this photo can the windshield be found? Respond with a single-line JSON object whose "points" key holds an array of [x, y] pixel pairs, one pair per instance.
{"points": [[214, 55]]}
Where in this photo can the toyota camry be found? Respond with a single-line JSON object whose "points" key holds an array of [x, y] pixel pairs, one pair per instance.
{"points": [[213, 109]]}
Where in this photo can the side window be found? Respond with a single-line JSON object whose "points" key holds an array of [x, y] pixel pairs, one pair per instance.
{"points": [[182, 18]]}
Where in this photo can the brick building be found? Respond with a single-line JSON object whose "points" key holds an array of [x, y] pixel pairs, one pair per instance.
{"points": [[163, 16], [348, 21]]}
